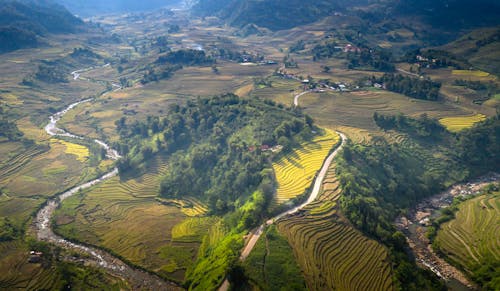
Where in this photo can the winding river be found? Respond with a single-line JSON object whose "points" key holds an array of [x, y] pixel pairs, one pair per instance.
{"points": [[138, 279]]}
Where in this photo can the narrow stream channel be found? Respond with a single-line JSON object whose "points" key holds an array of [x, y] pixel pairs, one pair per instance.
{"points": [[137, 279]]}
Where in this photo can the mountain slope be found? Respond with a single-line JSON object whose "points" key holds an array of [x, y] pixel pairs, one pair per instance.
{"points": [[452, 15], [94, 7], [272, 14], [481, 48], [23, 22]]}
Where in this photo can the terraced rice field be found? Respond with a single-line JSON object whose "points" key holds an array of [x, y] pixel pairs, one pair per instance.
{"points": [[81, 152], [470, 73], [281, 91], [456, 124], [125, 217], [352, 112], [17, 273], [472, 237], [296, 171], [331, 253]]}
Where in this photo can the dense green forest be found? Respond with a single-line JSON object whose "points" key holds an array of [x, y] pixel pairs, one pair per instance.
{"points": [[357, 57], [216, 146], [8, 128], [382, 180], [166, 65], [413, 87]]}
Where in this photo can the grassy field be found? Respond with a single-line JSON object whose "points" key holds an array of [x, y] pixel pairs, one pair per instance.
{"points": [[125, 217], [455, 124], [295, 171], [471, 239], [331, 253], [281, 90], [271, 265]]}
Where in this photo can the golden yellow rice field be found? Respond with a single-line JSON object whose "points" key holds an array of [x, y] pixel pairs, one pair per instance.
{"points": [[470, 73], [457, 123], [81, 152], [295, 172]]}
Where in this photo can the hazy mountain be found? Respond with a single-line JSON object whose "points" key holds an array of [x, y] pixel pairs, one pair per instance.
{"points": [[94, 7], [272, 14], [23, 22], [452, 14], [283, 14]]}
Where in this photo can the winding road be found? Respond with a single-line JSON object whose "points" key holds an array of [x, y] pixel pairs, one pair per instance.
{"points": [[138, 279], [256, 234]]}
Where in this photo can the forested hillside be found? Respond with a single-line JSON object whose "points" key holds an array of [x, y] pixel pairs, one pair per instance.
{"points": [[23, 22], [274, 14], [381, 180], [219, 147]]}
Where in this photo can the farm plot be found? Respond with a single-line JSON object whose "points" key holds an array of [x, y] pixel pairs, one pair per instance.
{"points": [[331, 253], [271, 265], [295, 172], [471, 239], [352, 112], [125, 217], [468, 73], [457, 123], [280, 90]]}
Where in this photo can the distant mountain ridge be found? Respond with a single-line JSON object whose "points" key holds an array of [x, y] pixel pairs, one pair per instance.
{"points": [[283, 14], [87, 8], [272, 14], [22, 22]]}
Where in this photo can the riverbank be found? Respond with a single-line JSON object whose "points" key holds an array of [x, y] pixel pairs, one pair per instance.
{"points": [[415, 225]]}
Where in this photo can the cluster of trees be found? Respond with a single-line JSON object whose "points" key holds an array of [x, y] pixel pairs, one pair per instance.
{"points": [[475, 85], [422, 127], [84, 53], [478, 147], [214, 145], [435, 59], [359, 57], [290, 62], [376, 59], [51, 73], [298, 46], [8, 231], [237, 56], [8, 129], [186, 57], [14, 38], [325, 51], [158, 73], [166, 65], [412, 87]]}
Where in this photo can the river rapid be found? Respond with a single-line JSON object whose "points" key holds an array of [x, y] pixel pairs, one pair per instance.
{"points": [[138, 279]]}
